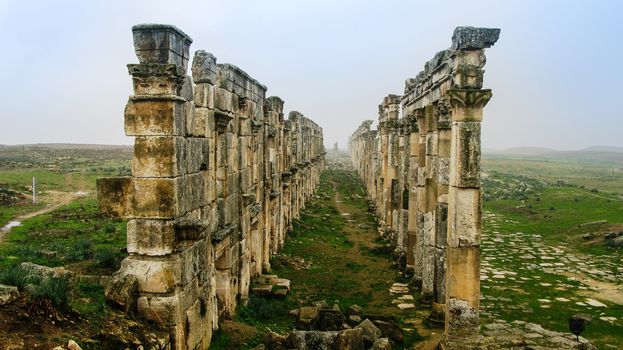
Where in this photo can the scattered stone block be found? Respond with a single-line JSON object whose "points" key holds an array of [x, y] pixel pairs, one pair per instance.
{"points": [[8, 294], [370, 332], [330, 320], [308, 316], [350, 339], [381, 344], [312, 340], [122, 292]]}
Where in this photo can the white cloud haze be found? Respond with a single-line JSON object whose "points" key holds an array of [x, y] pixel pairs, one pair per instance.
{"points": [[554, 71]]}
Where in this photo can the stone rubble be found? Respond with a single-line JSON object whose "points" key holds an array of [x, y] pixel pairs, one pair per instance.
{"points": [[324, 327], [8, 294]]}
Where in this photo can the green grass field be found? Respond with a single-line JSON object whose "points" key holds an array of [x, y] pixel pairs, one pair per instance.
{"points": [[537, 267]]}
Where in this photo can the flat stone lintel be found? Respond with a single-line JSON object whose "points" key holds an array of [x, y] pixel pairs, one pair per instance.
{"points": [[472, 38]]}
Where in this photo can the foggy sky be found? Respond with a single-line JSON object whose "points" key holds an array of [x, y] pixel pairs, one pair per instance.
{"points": [[555, 71]]}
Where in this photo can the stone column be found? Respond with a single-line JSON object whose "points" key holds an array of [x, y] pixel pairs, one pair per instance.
{"points": [[165, 198], [467, 99], [413, 154], [418, 275]]}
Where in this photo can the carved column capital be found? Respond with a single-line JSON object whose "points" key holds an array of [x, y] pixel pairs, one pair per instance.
{"points": [[467, 104], [156, 79], [443, 113]]}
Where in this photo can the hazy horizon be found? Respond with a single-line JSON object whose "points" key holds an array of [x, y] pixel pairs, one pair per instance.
{"points": [[553, 82]]}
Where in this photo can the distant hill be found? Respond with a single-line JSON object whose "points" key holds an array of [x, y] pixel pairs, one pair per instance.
{"points": [[609, 154], [527, 151], [604, 149], [69, 146]]}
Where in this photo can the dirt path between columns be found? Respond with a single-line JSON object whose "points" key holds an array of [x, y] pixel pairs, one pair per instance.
{"points": [[333, 254], [415, 323]]}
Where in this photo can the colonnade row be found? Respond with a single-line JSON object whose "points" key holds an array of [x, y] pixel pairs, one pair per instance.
{"points": [[421, 167], [218, 175]]}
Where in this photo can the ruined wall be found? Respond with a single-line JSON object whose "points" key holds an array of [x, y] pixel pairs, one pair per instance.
{"points": [[422, 169], [217, 177]]}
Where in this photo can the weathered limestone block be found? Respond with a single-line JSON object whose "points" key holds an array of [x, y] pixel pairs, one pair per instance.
{"points": [[444, 142], [190, 193], [462, 289], [164, 310], [468, 72], [223, 100], [204, 95], [193, 262], [166, 198], [204, 67], [196, 156], [155, 116], [441, 224], [465, 157], [431, 143], [443, 171], [440, 275], [122, 292], [155, 198], [161, 43], [151, 237], [115, 196], [464, 216], [198, 325], [154, 276], [158, 156], [471, 38]]}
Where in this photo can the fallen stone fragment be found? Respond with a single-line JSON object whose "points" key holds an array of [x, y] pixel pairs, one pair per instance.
{"points": [[406, 306], [8, 294], [46, 272], [381, 344], [313, 340], [354, 310], [595, 303], [275, 340], [72, 345], [330, 320], [350, 339], [122, 292], [390, 330], [370, 332], [308, 315]]}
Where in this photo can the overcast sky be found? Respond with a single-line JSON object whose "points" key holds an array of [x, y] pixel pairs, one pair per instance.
{"points": [[555, 71]]}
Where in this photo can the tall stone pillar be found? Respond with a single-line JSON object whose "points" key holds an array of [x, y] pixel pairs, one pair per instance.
{"points": [[467, 99], [413, 154], [165, 197]]}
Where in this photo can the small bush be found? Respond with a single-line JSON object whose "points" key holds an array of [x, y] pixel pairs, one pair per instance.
{"points": [[54, 289], [82, 249], [260, 309], [106, 258], [14, 275], [110, 228]]}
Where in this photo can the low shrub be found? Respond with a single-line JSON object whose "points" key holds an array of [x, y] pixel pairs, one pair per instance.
{"points": [[106, 258], [82, 249], [14, 275], [54, 289], [110, 228]]}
